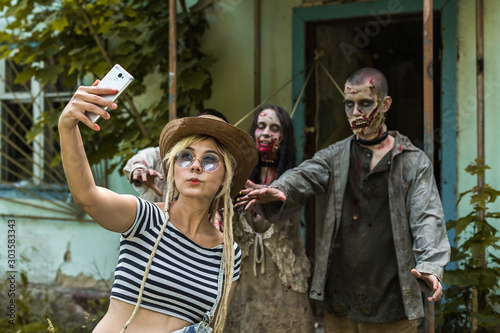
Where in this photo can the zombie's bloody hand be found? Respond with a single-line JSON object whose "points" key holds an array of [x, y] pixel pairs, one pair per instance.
{"points": [[146, 177], [258, 194]]}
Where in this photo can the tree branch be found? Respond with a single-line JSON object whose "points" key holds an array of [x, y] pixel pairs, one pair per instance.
{"points": [[100, 44]]}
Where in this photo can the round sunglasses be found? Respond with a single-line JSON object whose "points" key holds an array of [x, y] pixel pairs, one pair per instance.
{"points": [[209, 162]]}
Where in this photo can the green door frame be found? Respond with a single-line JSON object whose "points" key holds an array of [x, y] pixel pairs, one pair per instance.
{"points": [[448, 9]]}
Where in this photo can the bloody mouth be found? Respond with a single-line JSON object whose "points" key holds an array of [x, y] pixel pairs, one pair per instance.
{"points": [[359, 123], [266, 146], [266, 149], [365, 121]]}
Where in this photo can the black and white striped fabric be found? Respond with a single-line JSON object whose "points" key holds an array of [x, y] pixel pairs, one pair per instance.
{"points": [[182, 280]]}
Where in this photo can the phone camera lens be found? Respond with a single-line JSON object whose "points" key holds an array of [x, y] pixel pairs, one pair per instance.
{"points": [[120, 75]]}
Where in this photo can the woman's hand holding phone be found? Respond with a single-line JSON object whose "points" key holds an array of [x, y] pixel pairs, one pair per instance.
{"points": [[88, 104], [117, 78], [87, 99]]}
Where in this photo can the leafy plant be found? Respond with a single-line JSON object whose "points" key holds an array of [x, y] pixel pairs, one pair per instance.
{"points": [[472, 292], [37, 311], [61, 42]]}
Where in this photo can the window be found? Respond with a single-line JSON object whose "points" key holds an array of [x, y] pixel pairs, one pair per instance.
{"points": [[27, 166]]}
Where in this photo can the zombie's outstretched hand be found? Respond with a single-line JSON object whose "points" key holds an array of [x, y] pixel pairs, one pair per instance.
{"points": [[147, 177], [432, 282], [258, 194]]}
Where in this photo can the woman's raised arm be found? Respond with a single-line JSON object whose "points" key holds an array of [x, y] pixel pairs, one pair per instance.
{"points": [[113, 211]]}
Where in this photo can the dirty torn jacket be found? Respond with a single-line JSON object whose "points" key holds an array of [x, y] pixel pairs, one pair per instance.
{"points": [[417, 218]]}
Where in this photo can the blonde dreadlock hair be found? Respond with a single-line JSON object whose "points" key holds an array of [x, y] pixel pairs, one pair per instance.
{"points": [[222, 198]]}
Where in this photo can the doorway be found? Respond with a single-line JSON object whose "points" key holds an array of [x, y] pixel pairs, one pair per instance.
{"points": [[344, 16], [345, 45]]}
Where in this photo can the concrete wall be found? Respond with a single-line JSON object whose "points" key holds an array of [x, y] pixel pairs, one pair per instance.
{"points": [[52, 250], [230, 40]]}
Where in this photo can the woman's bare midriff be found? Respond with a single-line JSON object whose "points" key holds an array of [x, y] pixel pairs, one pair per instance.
{"points": [[145, 320]]}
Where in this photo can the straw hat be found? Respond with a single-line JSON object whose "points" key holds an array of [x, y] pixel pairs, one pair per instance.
{"points": [[237, 141]]}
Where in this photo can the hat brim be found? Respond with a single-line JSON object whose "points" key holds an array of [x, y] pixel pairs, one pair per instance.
{"points": [[239, 143]]}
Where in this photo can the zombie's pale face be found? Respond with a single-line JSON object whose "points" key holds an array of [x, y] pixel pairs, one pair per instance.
{"points": [[365, 109], [268, 134]]}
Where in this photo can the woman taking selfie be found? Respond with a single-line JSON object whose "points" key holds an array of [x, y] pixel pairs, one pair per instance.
{"points": [[175, 270]]}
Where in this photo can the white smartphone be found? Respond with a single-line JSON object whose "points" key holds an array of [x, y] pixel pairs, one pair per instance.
{"points": [[117, 78]]}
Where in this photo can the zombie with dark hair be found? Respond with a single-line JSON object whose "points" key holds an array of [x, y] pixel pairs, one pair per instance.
{"points": [[383, 238], [272, 294], [277, 147]]}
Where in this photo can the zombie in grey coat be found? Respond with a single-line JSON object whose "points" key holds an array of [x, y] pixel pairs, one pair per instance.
{"points": [[417, 218]]}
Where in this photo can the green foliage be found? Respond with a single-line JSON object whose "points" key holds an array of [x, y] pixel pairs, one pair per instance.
{"points": [[475, 237], [38, 312], [54, 43]]}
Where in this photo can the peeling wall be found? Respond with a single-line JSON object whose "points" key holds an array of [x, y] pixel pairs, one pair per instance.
{"points": [[41, 246], [62, 252]]}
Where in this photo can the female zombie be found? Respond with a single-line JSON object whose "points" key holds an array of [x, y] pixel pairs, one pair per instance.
{"points": [[272, 293]]}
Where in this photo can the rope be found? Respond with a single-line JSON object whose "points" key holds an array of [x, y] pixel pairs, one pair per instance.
{"points": [[318, 54], [259, 259], [302, 92], [274, 94], [332, 79]]}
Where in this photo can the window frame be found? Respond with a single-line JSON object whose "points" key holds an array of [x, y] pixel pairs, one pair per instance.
{"points": [[35, 98]]}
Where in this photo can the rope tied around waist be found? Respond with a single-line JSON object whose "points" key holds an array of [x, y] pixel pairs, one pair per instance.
{"points": [[259, 254]]}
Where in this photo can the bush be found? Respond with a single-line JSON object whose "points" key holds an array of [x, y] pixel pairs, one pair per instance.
{"points": [[472, 298], [44, 309]]}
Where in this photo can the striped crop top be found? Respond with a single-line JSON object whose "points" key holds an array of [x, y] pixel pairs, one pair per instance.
{"points": [[182, 279]]}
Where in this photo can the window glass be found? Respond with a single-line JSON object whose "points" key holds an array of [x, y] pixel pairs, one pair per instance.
{"points": [[30, 163], [16, 152]]}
